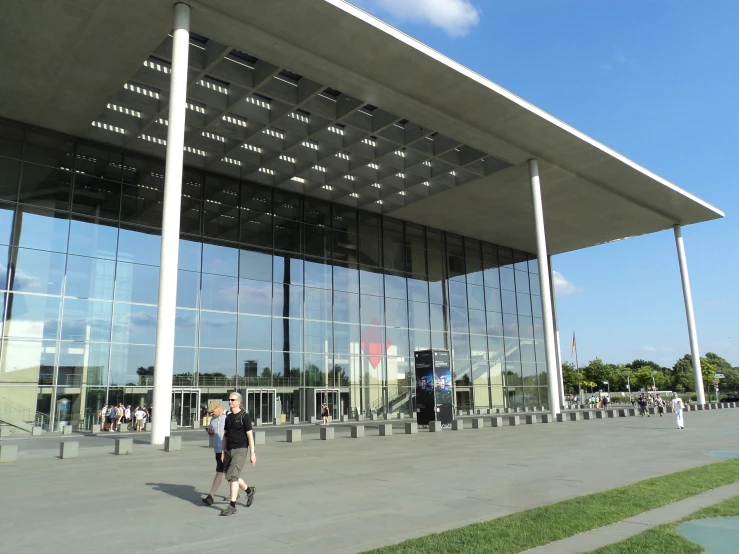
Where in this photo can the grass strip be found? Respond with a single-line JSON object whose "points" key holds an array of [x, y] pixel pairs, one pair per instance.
{"points": [[523, 530], [664, 539]]}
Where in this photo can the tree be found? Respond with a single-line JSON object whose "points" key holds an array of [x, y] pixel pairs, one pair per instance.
{"points": [[682, 375], [571, 378]]}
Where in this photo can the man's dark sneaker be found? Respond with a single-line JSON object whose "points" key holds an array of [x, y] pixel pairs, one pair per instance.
{"points": [[250, 496], [208, 500], [228, 510]]}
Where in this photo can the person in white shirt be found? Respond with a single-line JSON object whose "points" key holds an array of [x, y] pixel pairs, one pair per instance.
{"points": [[139, 415], [215, 430], [677, 407]]}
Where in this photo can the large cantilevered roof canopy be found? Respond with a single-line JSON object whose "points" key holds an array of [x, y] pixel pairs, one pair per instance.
{"points": [[318, 97]]}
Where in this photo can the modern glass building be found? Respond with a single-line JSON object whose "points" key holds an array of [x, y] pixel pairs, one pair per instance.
{"points": [[341, 206], [288, 298]]}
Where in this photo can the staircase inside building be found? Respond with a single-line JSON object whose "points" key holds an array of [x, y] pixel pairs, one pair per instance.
{"points": [[21, 417]]}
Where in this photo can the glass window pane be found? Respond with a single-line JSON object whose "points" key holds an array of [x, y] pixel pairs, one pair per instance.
{"points": [[534, 284], [317, 241], [221, 208], [90, 278], [346, 278], [536, 306], [507, 280], [86, 320], [221, 260], [287, 269], [186, 328], [142, 205], [217, 366], [138, 246], [346, 307], [496, 349], [419, 315], [492, 300], [370, 281], [318, 274], [256, 229], [285, 363], [45, 187], [255, 264], [523, 304], [440, 340], [420, 340], [395, 286], [137, 283], [4, 265], [130, 364], [528, 351], [287, 334], [190, 254], [456, 268], [538, 329], [31, 316], [188, 289], [438, 318], [10, 174], [417, 261], [28, 362], [508, 302], [457, 294], [83, 363], [437, 292], [253, 364], [396, 312], [495, 324], [255, 297], [43, 230], [477, 322], [479, 347], [522, 282], [397, 342], [287, 235], [475, 297], [217, 330], [92, 239], [346, 338], [418, 289], [287, 301], [133, 323], [460, 345], [319, 336], [98, 197], [11, 139], [38, 271], [7, 215], [220, 292], [255, 332], [345, 246], [318, 303], [510, 325], [185, 366], [372, 309], [512, 350], [459, 320]]}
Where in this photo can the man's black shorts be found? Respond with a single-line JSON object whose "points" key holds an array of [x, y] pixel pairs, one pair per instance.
{"points": [[219, 464]]}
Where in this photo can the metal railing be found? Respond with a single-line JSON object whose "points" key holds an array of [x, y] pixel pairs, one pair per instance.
{"points": [[21, 413]]}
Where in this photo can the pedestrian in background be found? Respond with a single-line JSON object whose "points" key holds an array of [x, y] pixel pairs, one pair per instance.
{"points": [[215, 430], [238, 440], [677, 407]]}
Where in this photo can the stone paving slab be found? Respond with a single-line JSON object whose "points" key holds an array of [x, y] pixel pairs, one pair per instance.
{"points": [[331, 496], [617, 532]]}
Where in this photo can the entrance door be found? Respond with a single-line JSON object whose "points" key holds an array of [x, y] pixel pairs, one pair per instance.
{"points": [[185, 406], [330, 397], [260, 404]]}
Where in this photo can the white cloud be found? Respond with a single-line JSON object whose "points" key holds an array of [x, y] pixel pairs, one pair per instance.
{"points": [[455, 17], [562, 285], [649, 349]]}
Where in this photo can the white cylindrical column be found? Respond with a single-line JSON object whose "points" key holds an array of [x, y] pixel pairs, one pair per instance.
{"points": [[164, 358], [692, 334], [544, 285], [557, 346]]}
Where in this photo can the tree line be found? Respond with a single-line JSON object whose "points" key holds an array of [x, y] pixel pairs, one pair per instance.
{"points": [[678, 378]]}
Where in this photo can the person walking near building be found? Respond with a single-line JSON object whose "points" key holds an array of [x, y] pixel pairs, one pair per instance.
{"points": [[324, 414], [215, 430], [111, 415], [238, 439], [660, 406], [677, 407], [103, 415]]}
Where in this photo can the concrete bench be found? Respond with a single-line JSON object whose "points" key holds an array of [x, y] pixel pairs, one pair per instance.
{"points": [[172, 426], [8, 453], [632, 411], [293, 435], [386, 429], [411, 428], [477, 423], [562, 417], [260, 437], [345, 419], [588, 414], [67, 430], [400, 415], [313, 419], [296, 421], [36, 431], [531, 419], [496, 421], [458, 425], [547, 418], [277, 421], [434, 426], [600, 414], [374, 417], [574, 416], [196, 425], [611, 413], [95, 428], [358, 431], [172, 444], [514, 420], [148, 426], [327, 433], [123, 447], [68, 449], [622, 413], [123, 429]]}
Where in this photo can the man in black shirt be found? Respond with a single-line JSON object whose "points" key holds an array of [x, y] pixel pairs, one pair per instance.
{"points": [[237, 437]]}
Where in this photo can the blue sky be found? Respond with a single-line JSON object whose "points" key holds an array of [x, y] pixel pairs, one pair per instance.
{"points": [[658, 81]]}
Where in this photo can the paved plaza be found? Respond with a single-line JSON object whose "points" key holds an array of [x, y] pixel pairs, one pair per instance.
{"points": [[345, 495]]}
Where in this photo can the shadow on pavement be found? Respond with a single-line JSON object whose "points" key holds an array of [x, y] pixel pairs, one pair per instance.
{"points": [[187, 493]]}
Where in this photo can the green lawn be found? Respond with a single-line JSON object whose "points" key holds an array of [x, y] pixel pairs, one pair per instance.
{"points": [[524, 530], [664, 539]]}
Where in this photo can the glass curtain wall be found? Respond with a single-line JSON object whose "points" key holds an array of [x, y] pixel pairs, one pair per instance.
{"points": [[292, 299]]}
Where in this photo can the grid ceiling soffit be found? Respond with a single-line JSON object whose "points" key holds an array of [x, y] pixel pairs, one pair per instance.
{"points": [[253, 120]]}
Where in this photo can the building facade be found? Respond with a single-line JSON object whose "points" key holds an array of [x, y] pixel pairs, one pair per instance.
{"points": [[290, 299]]}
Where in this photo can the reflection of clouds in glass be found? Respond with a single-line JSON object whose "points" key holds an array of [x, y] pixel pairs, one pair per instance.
{"points": [[143, 319], [22, 281]]}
